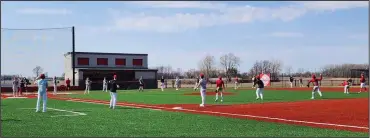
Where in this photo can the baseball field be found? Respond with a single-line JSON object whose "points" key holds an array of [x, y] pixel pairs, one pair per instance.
{"points": [[283, 112]]}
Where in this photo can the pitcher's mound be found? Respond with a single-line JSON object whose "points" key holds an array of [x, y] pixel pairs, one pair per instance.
{"points": [[209, 93]]}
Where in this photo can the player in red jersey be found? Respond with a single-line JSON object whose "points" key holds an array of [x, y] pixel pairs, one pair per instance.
{"points": [[220, 87], [236, 83], [68, 83], [362, 81], [316, 87], [346, 86]]}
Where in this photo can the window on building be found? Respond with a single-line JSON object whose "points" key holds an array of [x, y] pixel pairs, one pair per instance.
{"points": [[102, 61], [137, 62], [83, 61], [120, 61]]}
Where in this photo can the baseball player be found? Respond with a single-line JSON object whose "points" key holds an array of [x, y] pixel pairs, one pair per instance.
{"points": [[113, 92], [162, 83], [291, 79], [300, 82], [362, 83], [220, 87], [68, 83], [346, 87], [55, 83], [22, 84], [259, 90], [15, 85], [87, 86], [105, 85], [42, 85], [316, 86], [203, 88], [236, 83], [141, 83], [177, 83]]}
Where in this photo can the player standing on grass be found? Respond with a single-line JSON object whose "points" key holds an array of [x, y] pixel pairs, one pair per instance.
{"points": [[259, 90], [346, 87], [105, 85], [220, 87], [113, 92], [87, 86], [203, 88], [291, 79], [55, 83], [362, 83], [68, 83], [177, 83], [15, 84], [236, 82], [141, 84], [42, 85], [21, 86], [162, 83], [316, 86]]}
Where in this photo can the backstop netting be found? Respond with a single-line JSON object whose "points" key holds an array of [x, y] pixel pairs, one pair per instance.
{"points": [[22, 50]]}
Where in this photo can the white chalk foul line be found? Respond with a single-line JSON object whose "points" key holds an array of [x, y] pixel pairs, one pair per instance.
{"points": [[61, 110], [231, 114]]}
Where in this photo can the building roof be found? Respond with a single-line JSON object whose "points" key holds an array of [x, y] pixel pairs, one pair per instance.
{"points": [[116, 68], [101, 53]]}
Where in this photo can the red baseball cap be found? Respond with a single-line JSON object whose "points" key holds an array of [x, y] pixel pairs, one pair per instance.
{"points": [[201, 75], [42, 76]]}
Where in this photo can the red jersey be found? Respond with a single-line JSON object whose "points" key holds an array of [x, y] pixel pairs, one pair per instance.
{"points": [[219, 83], [68, 82], [316, 81], [362, 79], [345, 83]]}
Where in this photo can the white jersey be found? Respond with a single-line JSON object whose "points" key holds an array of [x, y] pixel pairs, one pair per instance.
{"points": [[87, 82], [203, 84], [177, 81], [15, 83], [105, 82]]}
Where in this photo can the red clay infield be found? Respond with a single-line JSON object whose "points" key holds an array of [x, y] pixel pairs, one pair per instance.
{"points": [[209, 93]]}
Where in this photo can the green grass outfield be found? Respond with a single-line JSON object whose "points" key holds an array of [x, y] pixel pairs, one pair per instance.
{"points": [[19, 119]]}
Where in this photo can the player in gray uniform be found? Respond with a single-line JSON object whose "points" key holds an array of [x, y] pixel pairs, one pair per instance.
{"points": [[177, 83], [141, 83], [105, 85], [87, 87], [203, 88], [15, 85], [55, 83]]}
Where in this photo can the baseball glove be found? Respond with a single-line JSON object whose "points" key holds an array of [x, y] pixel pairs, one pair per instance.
{"points": [[308, 86]]}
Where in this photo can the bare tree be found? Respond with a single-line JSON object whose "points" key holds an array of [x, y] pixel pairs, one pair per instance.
{"points": [[38, 70], [229, 61], [276, 66], [207, 64]]}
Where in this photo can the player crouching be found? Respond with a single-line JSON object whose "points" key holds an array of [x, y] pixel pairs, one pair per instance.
{"points": [[316, 87], [220, 87], [259, 90]]}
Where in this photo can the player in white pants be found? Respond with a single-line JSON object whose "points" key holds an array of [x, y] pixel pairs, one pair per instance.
{"points": [[260, 87], [346, 87], [177, 83], [87, 86], [362, 84], [113, 92], [162, 83], [55, 83], [42, 85], [236, 83], [105, 85], [203, 88], [15, 85], [316, 86]]}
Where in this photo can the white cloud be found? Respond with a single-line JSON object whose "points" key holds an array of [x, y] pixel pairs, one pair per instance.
{"points": [[43, 11], [222, 14], [286, 34]]}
